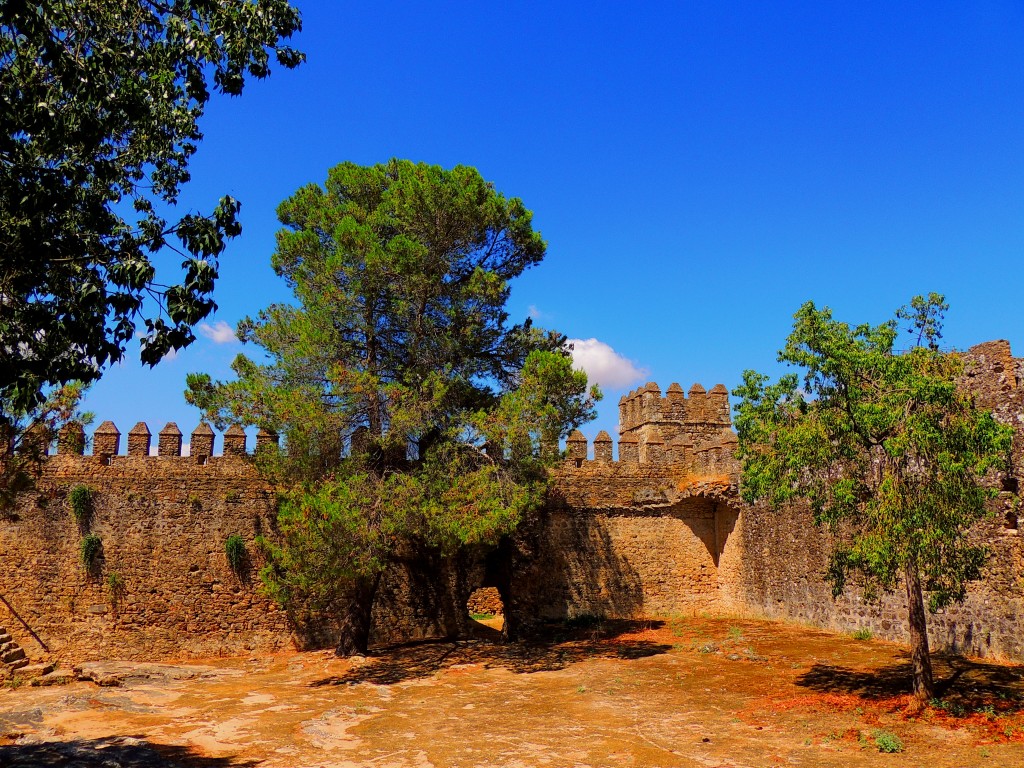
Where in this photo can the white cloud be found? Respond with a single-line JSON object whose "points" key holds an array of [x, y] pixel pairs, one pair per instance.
{"points": [[533, 312], [172, 354], [219, 333], [603, 365]]}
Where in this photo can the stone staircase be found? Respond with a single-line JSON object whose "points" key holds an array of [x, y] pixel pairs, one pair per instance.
{"points": [[14, 661]]}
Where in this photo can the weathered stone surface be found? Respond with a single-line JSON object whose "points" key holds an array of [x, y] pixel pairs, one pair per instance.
{"points": [[169, 443], [163, 522], [138, 440], [201, 441], [234, 441]]}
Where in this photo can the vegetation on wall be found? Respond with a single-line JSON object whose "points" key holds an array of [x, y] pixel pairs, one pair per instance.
{"points": [[90, 552], [81, 500], [414, 414], [890, 453], [238, 557], [116, 587]]}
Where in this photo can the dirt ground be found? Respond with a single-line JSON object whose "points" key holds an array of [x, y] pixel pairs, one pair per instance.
{"points": [[709, 692]]}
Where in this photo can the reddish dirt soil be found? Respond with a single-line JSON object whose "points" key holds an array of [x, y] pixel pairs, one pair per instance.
{"points": [[710, 692]]}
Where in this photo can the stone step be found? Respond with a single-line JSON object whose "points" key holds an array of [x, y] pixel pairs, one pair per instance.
{"points": [[15, 654], [36, 670], [4, 637], [55, 677], [10, 645], [18, 663]]}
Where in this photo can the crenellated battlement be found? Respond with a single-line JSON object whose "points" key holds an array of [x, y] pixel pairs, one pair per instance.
{"points": [[691, 431], [714, 454], [106, 441], [695, 416], [694, 430]]}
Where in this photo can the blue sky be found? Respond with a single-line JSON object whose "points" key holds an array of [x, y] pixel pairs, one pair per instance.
{"points": [[698, 169]]}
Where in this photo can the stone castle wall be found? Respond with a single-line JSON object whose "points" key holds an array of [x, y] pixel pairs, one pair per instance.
{"points": [[785, 554], [656, 529], [663, 531], [162, 585]]}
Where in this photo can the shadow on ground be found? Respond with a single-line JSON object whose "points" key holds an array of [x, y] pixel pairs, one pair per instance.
{"points": [[123, 752], [558, 648], [964, 683]]}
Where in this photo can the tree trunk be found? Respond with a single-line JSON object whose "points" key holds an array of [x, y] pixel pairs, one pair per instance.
{"points": [[924, 686], [354, 638], [510, 630]]}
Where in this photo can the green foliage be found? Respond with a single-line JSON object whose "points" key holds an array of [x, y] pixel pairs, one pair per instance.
{"points": [[885, 446], [101, 103], [238, 557], [81, 497], [864, 633], [414, 415], [26, 433], [887, 741], [90, 549], [116, 587]]}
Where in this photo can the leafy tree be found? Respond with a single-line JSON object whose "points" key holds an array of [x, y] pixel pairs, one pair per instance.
{"points": [[888, 450], [415, 416], [101, 100]]}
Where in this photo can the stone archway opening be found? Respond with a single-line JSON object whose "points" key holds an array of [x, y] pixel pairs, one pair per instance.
{"points": [[485, 608]]}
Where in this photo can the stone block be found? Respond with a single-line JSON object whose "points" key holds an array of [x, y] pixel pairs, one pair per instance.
{"points": [[106, 440], [201, 441], [71, 439], [234, 441], [169, 443]]}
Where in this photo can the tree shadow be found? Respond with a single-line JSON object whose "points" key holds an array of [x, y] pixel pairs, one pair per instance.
{"points": [[122, 751], [570, 645], [963, 684], [568, 565]]}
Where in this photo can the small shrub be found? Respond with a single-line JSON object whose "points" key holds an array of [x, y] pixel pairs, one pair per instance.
{"points": [[232, 497], [90, 550], [864, 633], [955, 708], [888, 742], [234, 548], [194, 501], [735, 633], [481, 616], [81, 497], [116, 587]]}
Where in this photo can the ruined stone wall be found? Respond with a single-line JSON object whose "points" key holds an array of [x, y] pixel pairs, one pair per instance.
{"points": [[636, 537], [784, 554], [162, 586], [653, 529], [629, 539]]}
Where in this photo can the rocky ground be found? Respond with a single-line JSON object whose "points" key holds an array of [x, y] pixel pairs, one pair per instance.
{"points": [[685, 692]]}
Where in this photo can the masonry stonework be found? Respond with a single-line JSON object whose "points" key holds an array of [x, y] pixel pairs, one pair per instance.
{"points": [[163, 585], [654, 529]]}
